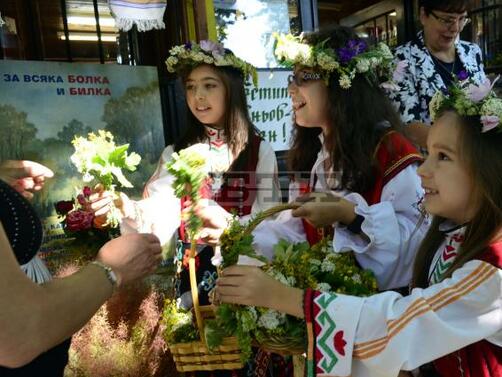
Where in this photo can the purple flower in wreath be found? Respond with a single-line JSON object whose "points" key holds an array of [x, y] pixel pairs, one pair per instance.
{"points": [[358, 45], [188, 45], [489, 122], [463, 75], [216, 49], [354, 48]]}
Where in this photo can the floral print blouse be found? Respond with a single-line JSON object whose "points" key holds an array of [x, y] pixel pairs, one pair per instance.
{"points": [[421, 78]]}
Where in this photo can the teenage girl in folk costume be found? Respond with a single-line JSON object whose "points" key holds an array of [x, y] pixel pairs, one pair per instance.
{"points": [[243, 167], [362, 170], [453, 316]]}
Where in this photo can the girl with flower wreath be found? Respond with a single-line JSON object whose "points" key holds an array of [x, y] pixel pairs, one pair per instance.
{"points": [[452, 317], [361, 179], [242, 167]]}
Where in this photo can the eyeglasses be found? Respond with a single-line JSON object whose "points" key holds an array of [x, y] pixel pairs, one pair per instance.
{"points": [[302, 78], [450, 22]]}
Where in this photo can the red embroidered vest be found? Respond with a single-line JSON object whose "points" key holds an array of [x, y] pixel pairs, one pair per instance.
{"points": [[394, 153], [481, 359], [238, 191]]}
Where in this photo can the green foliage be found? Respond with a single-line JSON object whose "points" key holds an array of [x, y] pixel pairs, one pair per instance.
{"points": [[189, 169], [99, 159], [178, 327], [298, 265], [236, 241]]}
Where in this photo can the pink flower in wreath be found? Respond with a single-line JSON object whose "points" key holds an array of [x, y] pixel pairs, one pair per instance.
{"points": [[477, 93], [489, 122], [216, 49], [79, 220]]}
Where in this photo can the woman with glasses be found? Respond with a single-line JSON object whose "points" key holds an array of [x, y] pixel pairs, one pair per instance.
{"points": [[435, 58]]}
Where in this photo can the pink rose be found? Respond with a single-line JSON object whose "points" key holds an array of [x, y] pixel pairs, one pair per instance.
{"points": [[64, 206], [87, 191], [81, 199], [79, 220], [489, 122]]}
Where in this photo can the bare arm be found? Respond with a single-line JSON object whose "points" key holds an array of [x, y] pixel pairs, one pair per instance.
{"points": [[35, 318]]}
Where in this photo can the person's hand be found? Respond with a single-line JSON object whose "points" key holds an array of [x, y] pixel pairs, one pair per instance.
{"points": [[131, 256], [249, 285], [24, 176], [100, 202], [245, 285], [324, 209], [214, 220]]}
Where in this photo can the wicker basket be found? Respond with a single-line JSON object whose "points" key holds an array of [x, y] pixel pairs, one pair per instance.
{"points": [[195, 356], [281, 345]]}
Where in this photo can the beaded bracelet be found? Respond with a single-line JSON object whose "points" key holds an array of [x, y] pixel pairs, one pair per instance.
{"points": [[110, 275]]}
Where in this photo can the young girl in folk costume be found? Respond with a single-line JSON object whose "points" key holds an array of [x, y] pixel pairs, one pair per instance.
{"points": [[363, 172], [243, 167], [453, 315]]}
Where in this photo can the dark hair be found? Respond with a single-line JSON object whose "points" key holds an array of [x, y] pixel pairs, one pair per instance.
{"points": [[483, 160], [360, 117], [237, 124], [448, 6]]}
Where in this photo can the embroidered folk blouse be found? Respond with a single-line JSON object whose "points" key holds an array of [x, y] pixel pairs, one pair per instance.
{"points": [[159, 210], [380, 335], [391, 230]]}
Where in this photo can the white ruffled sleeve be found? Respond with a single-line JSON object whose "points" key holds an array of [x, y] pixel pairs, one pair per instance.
{"points": [[390, 236], [159, 212], [267, 181], [269, 232], [380, 335]]}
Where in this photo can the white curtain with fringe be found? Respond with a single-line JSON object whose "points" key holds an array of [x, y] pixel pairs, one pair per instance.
{"points": [[146, 14]]}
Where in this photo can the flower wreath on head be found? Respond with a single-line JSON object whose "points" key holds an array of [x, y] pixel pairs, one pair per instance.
{"points": [[208, 52], [469, 99], [346, 61]]}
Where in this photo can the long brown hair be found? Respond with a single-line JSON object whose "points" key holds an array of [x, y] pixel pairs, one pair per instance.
{"points": [[237, 125], [360, 116], [482, 158]]}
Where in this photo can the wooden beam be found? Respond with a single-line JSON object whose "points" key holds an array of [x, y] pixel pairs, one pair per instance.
{"points": [[191, 20], [200, 19]]}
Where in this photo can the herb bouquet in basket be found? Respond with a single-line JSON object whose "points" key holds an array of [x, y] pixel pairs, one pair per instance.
{"points": [[186, 342], [101, 163], [299, 265]]}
